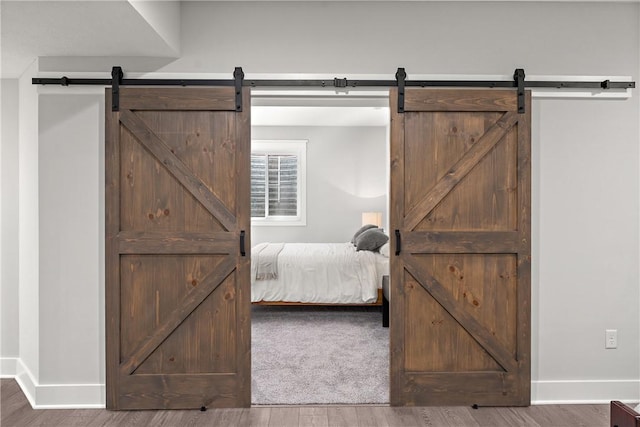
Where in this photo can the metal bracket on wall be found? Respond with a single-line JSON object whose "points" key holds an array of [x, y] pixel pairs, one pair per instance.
{"points": [[518, 77], [340, 82], [238, 76], [116, 81], [400, 78]]}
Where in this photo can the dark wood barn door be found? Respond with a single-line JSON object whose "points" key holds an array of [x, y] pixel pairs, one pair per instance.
{"points": [[177, 285], [460, 287]]}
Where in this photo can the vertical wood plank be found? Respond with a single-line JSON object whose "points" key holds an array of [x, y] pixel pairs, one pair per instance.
{"points": [[524, 254], [243, 216], [112, 261], [396, 222]]}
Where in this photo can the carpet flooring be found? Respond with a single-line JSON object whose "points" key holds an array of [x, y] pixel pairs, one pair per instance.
{"points": [[315, 355]]}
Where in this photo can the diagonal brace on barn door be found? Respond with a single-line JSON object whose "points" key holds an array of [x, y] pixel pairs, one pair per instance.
{"points": [[466, 321], [461, 169], [185, 307], [161, 151]]}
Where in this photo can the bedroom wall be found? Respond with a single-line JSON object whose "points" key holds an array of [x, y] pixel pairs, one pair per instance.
{"points": [[585, 161], [345, 177]]}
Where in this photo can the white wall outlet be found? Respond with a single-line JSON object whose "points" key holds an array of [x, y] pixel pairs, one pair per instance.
{"points": [[611, 338]]}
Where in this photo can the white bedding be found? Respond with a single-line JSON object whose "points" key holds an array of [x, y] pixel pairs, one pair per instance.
{"points": [[322, 273]]}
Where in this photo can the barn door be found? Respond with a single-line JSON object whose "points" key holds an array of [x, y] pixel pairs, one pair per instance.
{"points": [[177, 284], [460, 285]]}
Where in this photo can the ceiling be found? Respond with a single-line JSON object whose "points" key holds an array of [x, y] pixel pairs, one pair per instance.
{"points": [[31, 29]]}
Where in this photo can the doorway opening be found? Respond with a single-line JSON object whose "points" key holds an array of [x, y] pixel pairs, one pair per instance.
{"points": [[334, 349]]}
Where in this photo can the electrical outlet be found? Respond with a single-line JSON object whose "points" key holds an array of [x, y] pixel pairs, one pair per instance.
{"points": [[611, 338]]}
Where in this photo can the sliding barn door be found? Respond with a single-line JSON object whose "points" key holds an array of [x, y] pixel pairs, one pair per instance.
{"points": [[177, 284], [460, 285]]}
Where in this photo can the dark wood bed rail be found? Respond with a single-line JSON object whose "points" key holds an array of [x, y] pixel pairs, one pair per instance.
{"points": [[623, 415]]}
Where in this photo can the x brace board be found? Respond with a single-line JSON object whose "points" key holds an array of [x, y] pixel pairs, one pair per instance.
{"points": [[238, 82]]}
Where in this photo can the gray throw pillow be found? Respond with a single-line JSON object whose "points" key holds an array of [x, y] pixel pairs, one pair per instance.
{"points": [[371, 240], [362, 230]]}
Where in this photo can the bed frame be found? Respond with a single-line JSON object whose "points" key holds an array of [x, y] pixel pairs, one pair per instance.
{"points": [[377, 302], [623, 415]]}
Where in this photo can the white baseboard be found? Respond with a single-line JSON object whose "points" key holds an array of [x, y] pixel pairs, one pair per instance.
{"points": [[584, 391], [52, 396]]}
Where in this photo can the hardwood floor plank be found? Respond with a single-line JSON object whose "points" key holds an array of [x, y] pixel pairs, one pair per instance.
{"points": [[314, 417], [432, 416], [193, 417], [19, 415], [284, 417], [52, 417], [561, 416], [458, 416], [8, 389], [488, 417], [106, 418], [406, 417], [197, 418], [342, 416], [581, 415], [227, 416], [372, 416], [517, 417], [80, 417], [258, 417]]}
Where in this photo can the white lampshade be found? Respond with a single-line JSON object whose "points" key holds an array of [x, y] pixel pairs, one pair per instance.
{"points": [[374, 218]]}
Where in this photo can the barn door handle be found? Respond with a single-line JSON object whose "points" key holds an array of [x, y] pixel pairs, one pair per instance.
{"points": [[242, 251], [398, 242]]}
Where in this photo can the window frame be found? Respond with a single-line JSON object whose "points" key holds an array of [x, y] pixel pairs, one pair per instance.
{"points": [[297, 147]]}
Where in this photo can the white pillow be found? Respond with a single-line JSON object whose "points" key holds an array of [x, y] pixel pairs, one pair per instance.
{"points": [[384, 250]]}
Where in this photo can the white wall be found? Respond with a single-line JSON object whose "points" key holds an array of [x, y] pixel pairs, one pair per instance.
{"points": [[424, 37], [345, 177], [71, 197], [586, 217], [585, 161], [164, 17], [9, 347], [29, 259]]}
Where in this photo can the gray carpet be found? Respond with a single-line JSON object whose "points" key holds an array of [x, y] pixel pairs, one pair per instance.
{"points": [[303, 355]]}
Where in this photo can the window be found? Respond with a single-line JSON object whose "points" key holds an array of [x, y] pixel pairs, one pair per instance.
{"points": [[278, 182]]}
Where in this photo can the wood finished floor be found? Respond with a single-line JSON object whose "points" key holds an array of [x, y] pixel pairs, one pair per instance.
{"points": [[16, 411]]}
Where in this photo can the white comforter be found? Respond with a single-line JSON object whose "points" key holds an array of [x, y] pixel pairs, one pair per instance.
{"points": [[322, 273]]}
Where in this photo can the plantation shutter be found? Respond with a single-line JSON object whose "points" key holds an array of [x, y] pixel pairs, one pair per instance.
{"points": [[258, 185], [274, 176]]}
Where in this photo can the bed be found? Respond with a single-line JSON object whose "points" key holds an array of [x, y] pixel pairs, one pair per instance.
{"points": [[317, 273]]}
